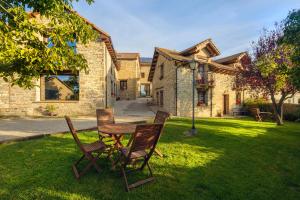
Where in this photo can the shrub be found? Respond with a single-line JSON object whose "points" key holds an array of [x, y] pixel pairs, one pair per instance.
{"points": [[291, 112]]}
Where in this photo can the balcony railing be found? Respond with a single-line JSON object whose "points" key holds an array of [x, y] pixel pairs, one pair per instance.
{"points": [[205, 80]]}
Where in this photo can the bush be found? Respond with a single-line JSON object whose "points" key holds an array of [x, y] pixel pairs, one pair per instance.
{"points": [[291, 112]]}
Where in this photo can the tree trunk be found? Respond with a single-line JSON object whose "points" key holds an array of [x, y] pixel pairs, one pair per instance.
{"points": [[278, 109], [279, 114]]}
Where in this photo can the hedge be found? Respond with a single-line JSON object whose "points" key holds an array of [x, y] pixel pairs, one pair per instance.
{"points": [[291, 112]]}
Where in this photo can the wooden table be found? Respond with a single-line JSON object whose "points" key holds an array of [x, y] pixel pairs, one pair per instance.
{"points": [[117, 131]]}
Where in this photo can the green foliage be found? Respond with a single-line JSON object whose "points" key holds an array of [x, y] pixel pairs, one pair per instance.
{"points": [[229, 159], [24, 52], [292, 37], [50, 108], [291, 112]]}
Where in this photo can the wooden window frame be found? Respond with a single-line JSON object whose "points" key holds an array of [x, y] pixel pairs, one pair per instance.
{"points": [[202, 101]]}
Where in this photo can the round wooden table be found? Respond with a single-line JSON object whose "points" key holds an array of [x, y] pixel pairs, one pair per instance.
{"points": [[117, 131]]}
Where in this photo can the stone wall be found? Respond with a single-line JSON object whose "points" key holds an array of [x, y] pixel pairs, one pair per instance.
{"points": [[145, 68], [214, 96], [129, 70], [167, 84], [185, 96], [111, 79], [92, 87]]}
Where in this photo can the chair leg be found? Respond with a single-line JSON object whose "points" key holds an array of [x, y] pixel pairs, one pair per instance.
{"points": [[140, 182], [78, 161], [92, 162], [158, 153], [125, 178], [150, 170]]}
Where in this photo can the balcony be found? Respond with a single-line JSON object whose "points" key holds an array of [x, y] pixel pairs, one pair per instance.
{"points": [[205, 80]]}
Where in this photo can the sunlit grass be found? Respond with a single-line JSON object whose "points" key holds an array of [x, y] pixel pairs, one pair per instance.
{"points": [[227, 159]]}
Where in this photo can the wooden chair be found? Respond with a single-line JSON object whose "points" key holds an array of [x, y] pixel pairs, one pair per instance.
{"points": [[160, 118], [88, 150], [140, 149], [260, 116], [104, 116]]}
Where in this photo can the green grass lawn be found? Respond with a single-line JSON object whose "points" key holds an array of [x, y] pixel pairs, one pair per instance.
{"points": [[228, 159]]}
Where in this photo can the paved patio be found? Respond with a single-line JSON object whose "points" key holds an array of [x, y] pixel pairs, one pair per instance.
{"points": [[22, 128]]}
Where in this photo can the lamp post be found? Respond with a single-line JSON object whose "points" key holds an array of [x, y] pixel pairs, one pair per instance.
{"points": [[193, 130]]}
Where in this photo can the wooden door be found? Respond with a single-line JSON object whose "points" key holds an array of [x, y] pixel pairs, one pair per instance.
{"points": [[226, 104]]}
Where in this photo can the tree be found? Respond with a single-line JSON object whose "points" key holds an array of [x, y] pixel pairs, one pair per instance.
{"points": [[269, 70], [25, 26], [291, 36]]}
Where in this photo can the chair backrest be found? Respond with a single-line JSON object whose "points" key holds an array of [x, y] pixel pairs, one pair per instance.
{"points": [[145, 138], [161, 117], [105, 116], [73, 132]]}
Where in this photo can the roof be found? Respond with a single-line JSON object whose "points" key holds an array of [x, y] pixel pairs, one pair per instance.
{"points": [[180, 57], [208, 43], [231, 59], [128, 56]]}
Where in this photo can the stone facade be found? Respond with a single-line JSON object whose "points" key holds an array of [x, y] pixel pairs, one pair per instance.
{"points": [[218, 94], [145, 84], [165, 85], [94, 88], [130, 73]]}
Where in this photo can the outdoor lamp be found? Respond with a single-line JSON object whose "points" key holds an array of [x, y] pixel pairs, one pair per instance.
{"points": [[193, 66]]}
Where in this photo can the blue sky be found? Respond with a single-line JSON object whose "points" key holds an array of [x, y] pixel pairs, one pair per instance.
{"points": [[141, 25]]}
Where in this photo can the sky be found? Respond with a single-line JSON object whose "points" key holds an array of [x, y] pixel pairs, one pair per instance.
{"points": [[141, 25]]}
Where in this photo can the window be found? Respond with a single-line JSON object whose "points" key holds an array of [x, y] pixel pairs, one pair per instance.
{"points": [[142, 75], [201, 75], [123, 85], [157, 98], [201, 98], [60, 87], [161, 71], [161, 98], [238, 98]]}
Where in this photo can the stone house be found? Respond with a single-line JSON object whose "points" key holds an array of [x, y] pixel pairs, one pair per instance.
{"points": [[133, 76], [145, 85], [129, 75], [96, 88], [215, 93]]}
